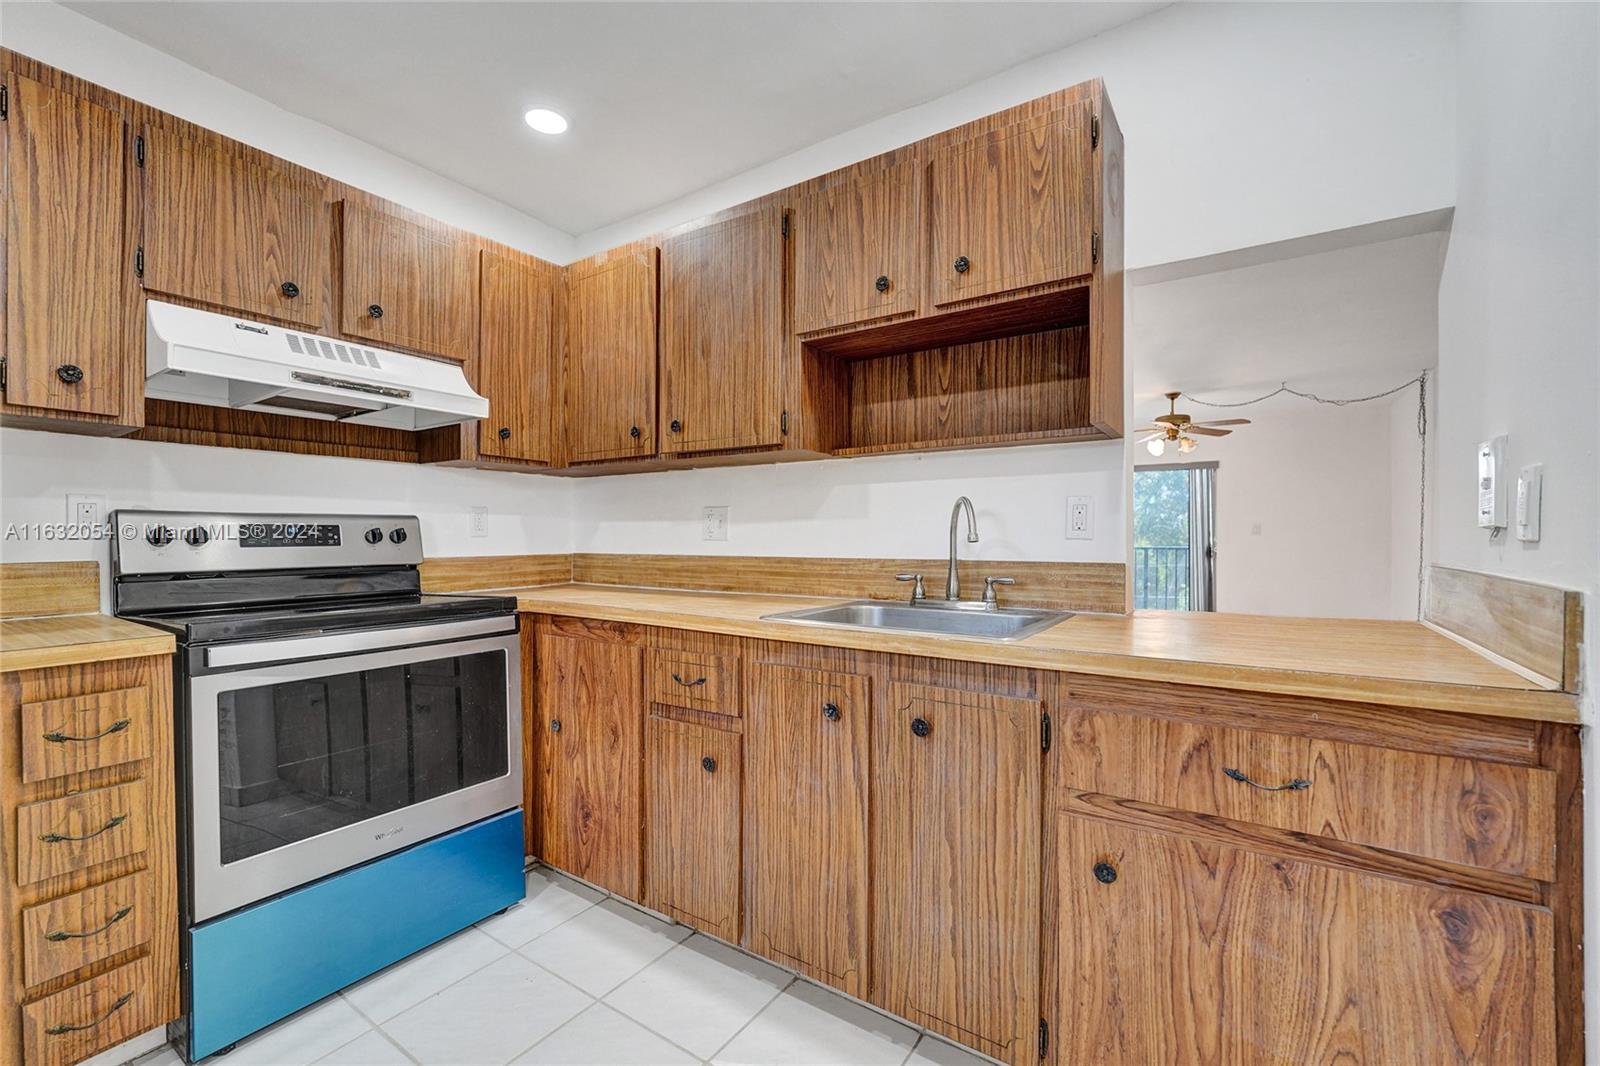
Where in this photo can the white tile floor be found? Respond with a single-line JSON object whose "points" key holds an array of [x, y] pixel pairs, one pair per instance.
{"points": [[571, 976]]}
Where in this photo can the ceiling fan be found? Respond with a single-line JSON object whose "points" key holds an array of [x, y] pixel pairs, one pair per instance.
{"points": [[1174, 427]]}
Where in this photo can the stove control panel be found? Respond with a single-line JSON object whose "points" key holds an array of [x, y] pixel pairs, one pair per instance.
{"points": [[173, 542]]}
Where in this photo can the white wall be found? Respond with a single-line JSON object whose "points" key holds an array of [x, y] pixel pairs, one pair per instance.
{"points": [[1305, 511], [1246, 124]]}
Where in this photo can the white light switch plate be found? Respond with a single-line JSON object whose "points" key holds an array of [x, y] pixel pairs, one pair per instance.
{"points": [[480, 521], [715, 523], [1080, 518], [1530, 500]]}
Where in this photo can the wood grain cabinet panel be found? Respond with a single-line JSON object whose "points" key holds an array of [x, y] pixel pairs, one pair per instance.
{"points": [[79, 1021], [516, 365], [723, 342], [1176, 950], [858, 249], [806, 745], [68, 334], [1013, 208], [72, 932], [611, 358], [955, 864], [1480, 813], [226, 230], [590, 728], [77, 733], [84, 829], [408, 284], [692, 855]]}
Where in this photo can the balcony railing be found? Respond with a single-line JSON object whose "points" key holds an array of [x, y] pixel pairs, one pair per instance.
{"points": [[1161, 578]]}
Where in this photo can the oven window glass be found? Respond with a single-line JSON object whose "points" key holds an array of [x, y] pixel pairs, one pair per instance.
{"points": [[300, 758]]}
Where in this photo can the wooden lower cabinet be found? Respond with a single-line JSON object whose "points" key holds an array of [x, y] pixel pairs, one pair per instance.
{"points": [[589, 723], [1173, 949], [955, 864], [805, 818], [692, 856]]}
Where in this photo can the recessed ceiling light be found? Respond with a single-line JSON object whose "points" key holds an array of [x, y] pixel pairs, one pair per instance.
{"points": [[545, 121]]}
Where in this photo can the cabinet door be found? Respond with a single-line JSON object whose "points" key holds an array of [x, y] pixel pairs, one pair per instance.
{"points": [[224, 230], [408, 284], [515, 358], [590, 723], [722, 335], [611, 358], [692, 857], [68, 335], [1176, 950], [1013, 208], [858, 249], [955, 864], [806, 822]]}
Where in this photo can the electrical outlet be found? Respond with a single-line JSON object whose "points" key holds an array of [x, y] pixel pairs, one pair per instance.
{"points": [[480, 521], [715, 523], [1080, 518], [84, 513]]}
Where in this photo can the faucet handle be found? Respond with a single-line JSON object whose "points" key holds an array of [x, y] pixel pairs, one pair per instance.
{"points": [[918, 593], [989, 583]]}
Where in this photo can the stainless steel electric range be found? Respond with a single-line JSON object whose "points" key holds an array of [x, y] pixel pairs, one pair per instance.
{"points": [[350, 754]]}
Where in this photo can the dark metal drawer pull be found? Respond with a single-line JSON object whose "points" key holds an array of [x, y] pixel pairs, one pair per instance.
{"points": [[830, 711], [708, 764], [921, 727], [1296, 785], [60, 1030], [57, 937], [62, 838], [687, 684], [115, 727]]}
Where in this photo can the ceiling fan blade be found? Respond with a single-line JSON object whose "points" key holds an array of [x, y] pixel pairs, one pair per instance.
{"points": [[1151, 437], [1224, 422], [1204, 432]]}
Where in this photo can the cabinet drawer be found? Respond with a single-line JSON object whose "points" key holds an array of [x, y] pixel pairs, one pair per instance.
{"points": [[58, 836], [69, 933], [66, 736], [697, 680], [1478, 813], [89, 1017]]}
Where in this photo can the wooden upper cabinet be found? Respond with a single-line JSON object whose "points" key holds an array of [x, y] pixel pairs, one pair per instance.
{"points": [[225, 229], [723, 339], [1013, 208], [858, 249], [806, 737], [516, 361], [692, 858], [408, 284], [69, 336], [611, 357], [955, 864], [1170, 949]]}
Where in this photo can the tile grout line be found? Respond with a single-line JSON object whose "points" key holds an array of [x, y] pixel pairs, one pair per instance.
{"points": [[377, 1027], [793, 977]]}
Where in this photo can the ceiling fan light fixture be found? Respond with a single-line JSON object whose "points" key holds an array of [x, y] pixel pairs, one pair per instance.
{"points": [[1186, 445], [1155, 446]]}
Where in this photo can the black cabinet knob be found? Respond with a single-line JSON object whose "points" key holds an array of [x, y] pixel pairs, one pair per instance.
{"points": [[397, 535], [633, 431], [70, 373], [196, 536], [555, 725], [1105, 873], [708, 764], [677, 426], [373, 535], [920, 727], [289, 289], [375, 310], [830, 711], [963, 264], [159, 536], [505, 432], [882, 284]]}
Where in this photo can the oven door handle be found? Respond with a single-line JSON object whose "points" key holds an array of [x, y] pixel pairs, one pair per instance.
{"points": [[327, 645]]}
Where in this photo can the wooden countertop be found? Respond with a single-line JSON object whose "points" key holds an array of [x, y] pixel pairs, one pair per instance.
{"points": [[1403, 664], [68, 639]]}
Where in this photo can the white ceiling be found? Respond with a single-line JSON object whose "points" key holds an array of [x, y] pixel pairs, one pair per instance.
{"points": [[664, 98], [1343, 314]]}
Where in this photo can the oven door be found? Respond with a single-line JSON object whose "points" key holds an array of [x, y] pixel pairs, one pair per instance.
{"points": [[299, 769]]}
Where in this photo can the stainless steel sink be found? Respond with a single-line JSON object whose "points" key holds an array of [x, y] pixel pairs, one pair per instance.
{"points": [[968, 620]]}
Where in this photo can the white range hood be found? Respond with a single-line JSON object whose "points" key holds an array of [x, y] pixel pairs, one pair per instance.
{"points": [[199, 357]]}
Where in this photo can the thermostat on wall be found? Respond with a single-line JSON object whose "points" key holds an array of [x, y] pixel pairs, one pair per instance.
{"points": [[1492, 483]]}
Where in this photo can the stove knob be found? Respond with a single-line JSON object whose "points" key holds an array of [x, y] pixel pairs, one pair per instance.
{"points": [[397, 535], [158, 537], [373, 535], [196, 537]]}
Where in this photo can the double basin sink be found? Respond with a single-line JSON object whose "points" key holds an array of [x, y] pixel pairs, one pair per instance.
{"points": [[967, 620]]}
